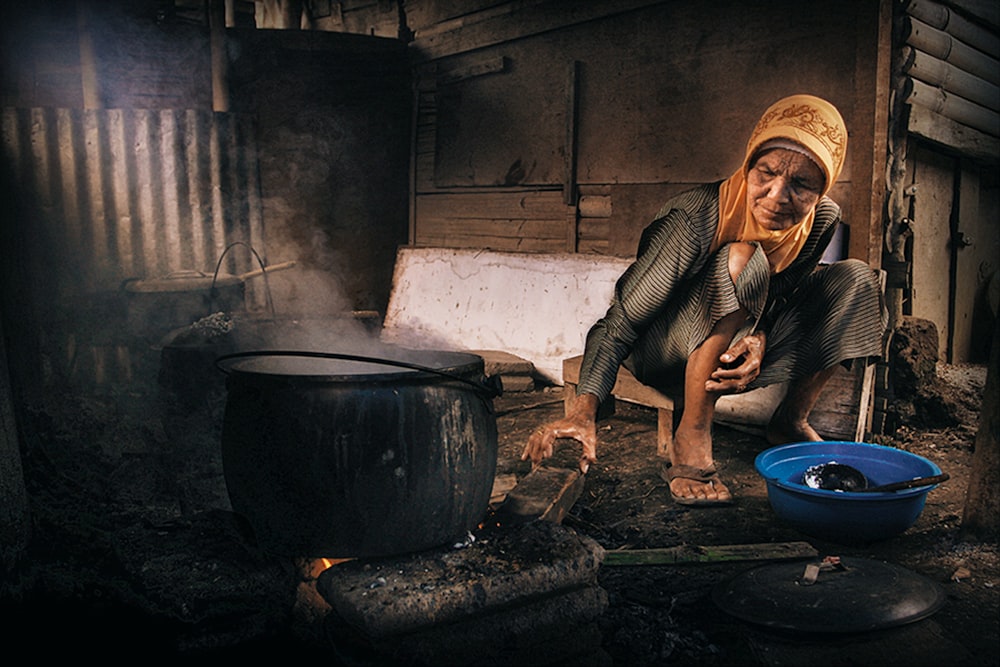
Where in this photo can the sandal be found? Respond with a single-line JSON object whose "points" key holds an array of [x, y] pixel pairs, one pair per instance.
{"points": [[670, 472]]}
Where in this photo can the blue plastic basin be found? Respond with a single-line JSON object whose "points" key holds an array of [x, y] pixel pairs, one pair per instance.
{"points": [[840, 516]]}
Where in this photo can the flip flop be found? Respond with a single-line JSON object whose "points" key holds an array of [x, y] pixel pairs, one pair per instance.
{"points": [[670, 472]]}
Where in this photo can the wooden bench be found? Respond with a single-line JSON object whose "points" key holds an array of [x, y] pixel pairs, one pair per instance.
{"points": [[626, 388]]}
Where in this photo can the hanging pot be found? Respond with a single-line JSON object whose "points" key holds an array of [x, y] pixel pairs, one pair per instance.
{"points": [[158, 306], [329, 457]]}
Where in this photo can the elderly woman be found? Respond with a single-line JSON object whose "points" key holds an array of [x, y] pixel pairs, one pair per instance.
{"points": [[726, 294]]}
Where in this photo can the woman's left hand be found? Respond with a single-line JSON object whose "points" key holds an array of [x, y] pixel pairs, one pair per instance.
{"points": [[738, 366]]}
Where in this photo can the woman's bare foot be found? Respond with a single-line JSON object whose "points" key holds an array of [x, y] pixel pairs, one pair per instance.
{"points": [[691, 472], [790, 421], [781, 430]]}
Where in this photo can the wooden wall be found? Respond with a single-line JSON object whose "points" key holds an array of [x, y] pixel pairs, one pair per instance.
{"points": [[943, 242], [562, 126]]}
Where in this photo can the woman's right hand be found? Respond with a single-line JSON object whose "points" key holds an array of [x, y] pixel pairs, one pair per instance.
{"points": [[580, 424]]}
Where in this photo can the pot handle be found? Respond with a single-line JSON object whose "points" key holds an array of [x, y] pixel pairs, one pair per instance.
{"points": [[491, 386]]}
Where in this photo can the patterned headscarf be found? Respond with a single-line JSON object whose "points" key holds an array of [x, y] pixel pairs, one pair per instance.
{"points": [[816, 128]]}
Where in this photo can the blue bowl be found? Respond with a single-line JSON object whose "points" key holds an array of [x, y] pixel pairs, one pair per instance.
{"points": [[839, 516]]}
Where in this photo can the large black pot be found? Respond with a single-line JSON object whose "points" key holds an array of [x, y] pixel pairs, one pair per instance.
{"points": [[342, 458]]}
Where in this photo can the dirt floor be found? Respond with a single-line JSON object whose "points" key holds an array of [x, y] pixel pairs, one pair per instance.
{"points": [[99, 506], [666, 615]]}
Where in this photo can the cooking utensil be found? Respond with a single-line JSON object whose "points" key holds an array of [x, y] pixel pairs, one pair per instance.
{"points": [[862, 595], [834, 476], [838, 516], [840, 477], [159, 305], [908, 484], [358, 457]]}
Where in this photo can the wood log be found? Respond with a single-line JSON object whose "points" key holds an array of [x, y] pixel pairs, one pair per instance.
{"points": [[941, 45], [944, 18], [981, 516], [936, 72], [954, 107], [544, 494]]}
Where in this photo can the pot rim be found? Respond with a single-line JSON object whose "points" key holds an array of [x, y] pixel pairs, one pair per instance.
{"points": [[356, 368]]}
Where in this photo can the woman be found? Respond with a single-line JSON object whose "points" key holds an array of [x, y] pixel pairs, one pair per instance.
{"points": [[725, 295]]}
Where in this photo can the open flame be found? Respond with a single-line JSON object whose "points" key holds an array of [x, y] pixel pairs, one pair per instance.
{"points": [[311, 568]]}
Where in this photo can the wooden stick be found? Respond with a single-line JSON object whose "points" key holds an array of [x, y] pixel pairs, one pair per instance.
{"points": [[274, 267], [688, 553]]}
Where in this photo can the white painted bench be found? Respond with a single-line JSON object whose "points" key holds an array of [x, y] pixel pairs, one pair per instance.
{"points": [[539, 307]]}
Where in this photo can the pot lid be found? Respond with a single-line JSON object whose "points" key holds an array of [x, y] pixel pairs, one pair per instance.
{"points": [[855, 595]]}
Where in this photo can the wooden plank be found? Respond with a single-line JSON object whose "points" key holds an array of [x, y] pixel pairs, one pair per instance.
{"points": [[478, 67], [488, 229], [571, 146], [593, 247], [689, 553], [838, 414], [862, 198], [544, 204], [593, 229], [544, 494], [502, 485], [509, 21], [936, 128], [493, 243]]}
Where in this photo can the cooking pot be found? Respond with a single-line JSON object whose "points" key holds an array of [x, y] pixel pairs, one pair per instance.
{"points": [[158, 306], [331, 455]]}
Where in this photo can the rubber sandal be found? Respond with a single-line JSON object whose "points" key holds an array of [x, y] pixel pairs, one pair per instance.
{"points": [[670, 472]]}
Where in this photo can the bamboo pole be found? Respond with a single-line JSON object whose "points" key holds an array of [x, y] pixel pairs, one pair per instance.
{"points": [[687, 553], [954, 107], [936, 72], [941, 45]]}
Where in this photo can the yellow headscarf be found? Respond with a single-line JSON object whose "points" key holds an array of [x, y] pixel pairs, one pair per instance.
{"points": [[805, 120]]}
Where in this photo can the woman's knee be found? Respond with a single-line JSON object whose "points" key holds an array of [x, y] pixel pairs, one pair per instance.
{"points": [[853, 271]]}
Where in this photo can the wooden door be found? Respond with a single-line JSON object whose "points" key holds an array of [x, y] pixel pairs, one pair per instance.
{"points": [[933, 181]]}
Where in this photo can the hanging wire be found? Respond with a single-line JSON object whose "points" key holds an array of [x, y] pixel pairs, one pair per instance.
{"points": [[267, 285]]}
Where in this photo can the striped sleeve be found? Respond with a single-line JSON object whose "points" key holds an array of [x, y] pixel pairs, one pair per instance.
{"points": [[672, 249]]}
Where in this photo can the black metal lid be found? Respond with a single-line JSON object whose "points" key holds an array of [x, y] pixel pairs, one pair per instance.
{"points": [[858, 596]]}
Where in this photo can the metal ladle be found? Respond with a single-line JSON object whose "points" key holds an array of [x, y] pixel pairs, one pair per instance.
{"points": [[835, 476]]}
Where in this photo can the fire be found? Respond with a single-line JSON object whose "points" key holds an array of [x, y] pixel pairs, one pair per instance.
{"points": [[311, 568]]}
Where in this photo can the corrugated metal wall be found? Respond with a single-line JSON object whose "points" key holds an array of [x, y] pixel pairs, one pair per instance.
{"points": [[108, 195], [138, 193]]}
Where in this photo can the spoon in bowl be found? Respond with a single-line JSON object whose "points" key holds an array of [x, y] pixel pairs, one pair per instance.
{"points": [[835, 476]]}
